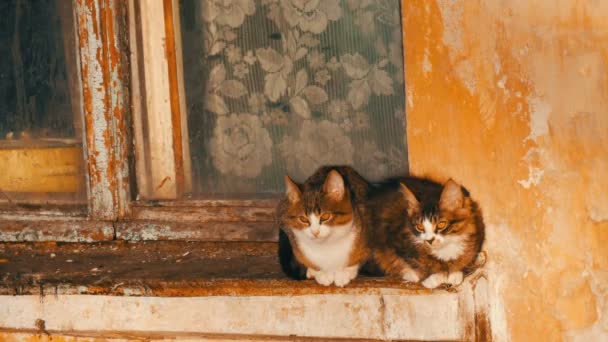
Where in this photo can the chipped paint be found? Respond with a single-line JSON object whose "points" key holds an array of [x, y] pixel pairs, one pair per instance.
{"points": [[451, 17], [539, 118], [534, 176], [101, 26], [147, 232], [41, 228], [192, 231], [531, 144], [101, 29], [426, 64]]}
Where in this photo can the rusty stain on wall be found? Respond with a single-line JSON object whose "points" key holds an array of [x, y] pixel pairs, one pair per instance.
{"points": [[511, 99]]}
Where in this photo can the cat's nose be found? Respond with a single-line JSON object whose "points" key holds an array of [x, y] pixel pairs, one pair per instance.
{"points": [[315, 233], [430, 241]]}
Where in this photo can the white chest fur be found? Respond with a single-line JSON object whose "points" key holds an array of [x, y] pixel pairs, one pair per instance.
{"points": [[330, 253], [451, 248]]}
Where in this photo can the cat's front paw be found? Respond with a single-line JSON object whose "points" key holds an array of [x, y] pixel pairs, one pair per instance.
{"points": [[343, 277], [434, 280], [410, 276], [324, 278], [455, 278], [310, 273]]}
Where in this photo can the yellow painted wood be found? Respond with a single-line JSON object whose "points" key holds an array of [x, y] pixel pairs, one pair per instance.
{"points": [[40, 169]]}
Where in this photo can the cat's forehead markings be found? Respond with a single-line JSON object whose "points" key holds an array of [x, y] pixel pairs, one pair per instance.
{"points": [[313, 218], [428, 225]]}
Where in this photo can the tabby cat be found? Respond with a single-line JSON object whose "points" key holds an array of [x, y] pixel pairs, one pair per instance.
{"points": [[321, 226], [424, 232]]}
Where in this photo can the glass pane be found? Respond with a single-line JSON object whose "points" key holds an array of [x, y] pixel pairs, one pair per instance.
{"points": [[285, 86], [40, 127]]}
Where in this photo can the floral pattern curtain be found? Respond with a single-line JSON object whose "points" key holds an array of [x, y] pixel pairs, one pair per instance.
{"points": [[285, 86]]}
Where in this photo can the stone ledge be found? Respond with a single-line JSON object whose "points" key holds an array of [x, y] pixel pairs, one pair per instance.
{"points": [[198, 288], [437, 316]]}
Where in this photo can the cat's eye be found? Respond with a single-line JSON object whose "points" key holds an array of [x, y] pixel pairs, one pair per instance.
{"points": [[420, 227], [304, 219], [442, 225], [325, 217]]}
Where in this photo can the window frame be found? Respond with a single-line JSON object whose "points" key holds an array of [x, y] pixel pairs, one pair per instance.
{"points": [[101, 60], [113, 69], [158, 100]]}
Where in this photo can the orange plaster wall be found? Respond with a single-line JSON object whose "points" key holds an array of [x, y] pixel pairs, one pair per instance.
{"points": [[511, 99]]}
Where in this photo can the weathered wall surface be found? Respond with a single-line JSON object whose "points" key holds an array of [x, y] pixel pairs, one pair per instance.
{"points": [[511, 99]]}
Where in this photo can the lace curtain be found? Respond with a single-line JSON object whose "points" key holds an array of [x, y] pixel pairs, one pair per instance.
{"points": [[285, 86]]}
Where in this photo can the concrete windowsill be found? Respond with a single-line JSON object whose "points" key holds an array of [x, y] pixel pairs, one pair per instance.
{"points": [[173, 288]]}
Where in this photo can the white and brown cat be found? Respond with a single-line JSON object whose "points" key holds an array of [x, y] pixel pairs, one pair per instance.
{"points": [[422, 231], [322, 233]]}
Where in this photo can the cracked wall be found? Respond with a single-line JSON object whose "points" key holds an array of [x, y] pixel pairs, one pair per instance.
{"points": [[511, 99]]}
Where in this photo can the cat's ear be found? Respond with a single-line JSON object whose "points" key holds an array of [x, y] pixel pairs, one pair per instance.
{"points": [[412, 203], [292, 190], [334, 185], [452, 197]]}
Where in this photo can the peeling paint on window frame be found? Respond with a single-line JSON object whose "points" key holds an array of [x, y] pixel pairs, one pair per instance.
{"points": [[101, 63], [105, 69]]}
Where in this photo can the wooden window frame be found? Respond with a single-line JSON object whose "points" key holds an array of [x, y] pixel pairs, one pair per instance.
{"points": [[162, 162], [124, 90], [101, 61], [113, 100], [158, 100]]}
